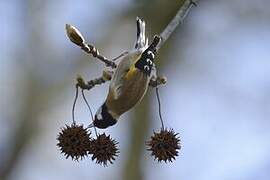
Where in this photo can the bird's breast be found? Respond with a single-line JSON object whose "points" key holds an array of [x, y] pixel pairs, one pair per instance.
{"points": [[135, 85]]}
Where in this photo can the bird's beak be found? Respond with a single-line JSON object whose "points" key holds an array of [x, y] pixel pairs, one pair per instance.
{"points": [[91, 125]]}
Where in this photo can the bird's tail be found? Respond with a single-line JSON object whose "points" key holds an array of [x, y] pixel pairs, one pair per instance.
{"points": [[141, 41]]}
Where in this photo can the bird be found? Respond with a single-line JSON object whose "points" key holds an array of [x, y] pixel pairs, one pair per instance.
{"points": [[130, 80]]}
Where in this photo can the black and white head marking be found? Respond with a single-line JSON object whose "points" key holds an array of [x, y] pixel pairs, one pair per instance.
{"points": [[103, 118]]}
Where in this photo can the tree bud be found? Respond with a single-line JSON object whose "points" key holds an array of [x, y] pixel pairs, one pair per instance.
{"points": [[74, 35]]}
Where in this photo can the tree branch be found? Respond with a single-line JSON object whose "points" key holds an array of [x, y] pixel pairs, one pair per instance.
{"points": [[178, 18], [92, 83], [77, 38]]}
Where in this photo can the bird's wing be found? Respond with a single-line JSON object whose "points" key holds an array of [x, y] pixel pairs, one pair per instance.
{"points": [[119, 75], [127, 61]]}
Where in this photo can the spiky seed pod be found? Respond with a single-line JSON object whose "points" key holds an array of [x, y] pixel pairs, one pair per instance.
{"points": [[164, 145], [103, 149], [74, 141], [74, 35]]}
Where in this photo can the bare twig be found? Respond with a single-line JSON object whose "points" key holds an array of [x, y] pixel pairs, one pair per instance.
{"points": [[90, 84], [159, 109], [178, 18], [90, 49], [77, 38], [90, 110], [73, 106]]}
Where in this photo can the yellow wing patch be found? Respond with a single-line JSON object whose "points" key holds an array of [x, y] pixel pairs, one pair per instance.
{"points": [[132, 69], [131, 72]]}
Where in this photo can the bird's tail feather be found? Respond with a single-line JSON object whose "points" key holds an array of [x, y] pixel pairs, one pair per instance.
{"points": [[141, 40]]}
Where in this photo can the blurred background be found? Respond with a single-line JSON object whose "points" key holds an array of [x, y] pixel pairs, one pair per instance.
{"points": [[217, 96]]}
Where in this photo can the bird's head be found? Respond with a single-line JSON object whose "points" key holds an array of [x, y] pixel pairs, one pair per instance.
{"points": [[104, 118]]}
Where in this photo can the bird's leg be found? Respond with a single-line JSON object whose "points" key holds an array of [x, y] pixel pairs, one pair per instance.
{"points": [[106, 76], [159, 80], [121, 55], [156, 80]]}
